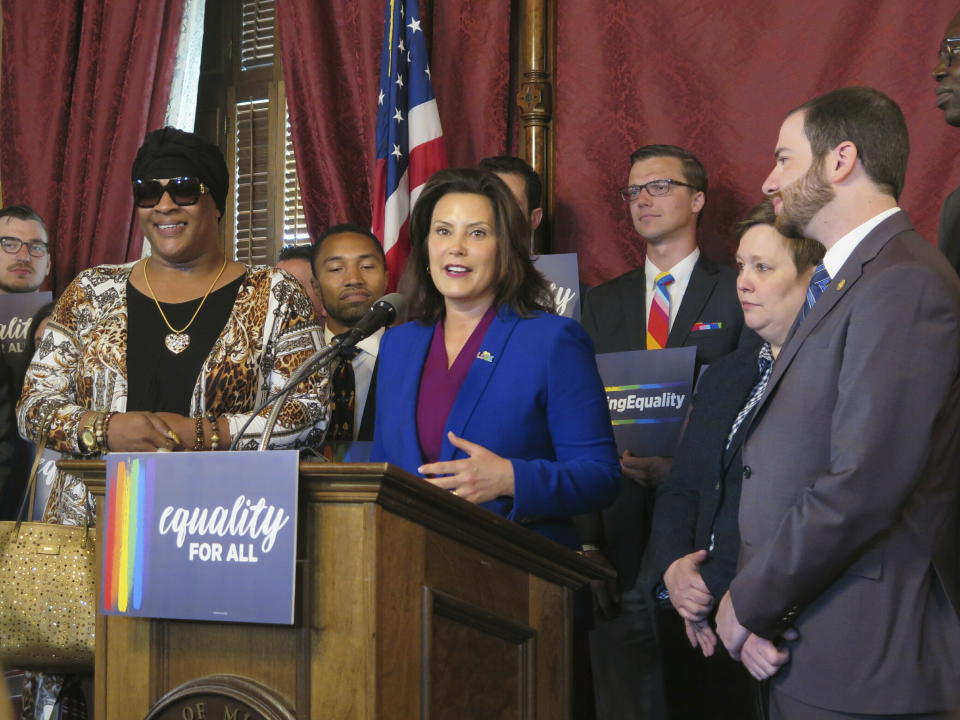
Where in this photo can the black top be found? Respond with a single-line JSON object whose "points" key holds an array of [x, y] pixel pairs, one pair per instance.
{"points": [[159, 380]]}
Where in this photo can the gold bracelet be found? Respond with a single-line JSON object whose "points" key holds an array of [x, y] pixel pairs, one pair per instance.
{"points": [[214, 435], [198, 432], [104, 428]]}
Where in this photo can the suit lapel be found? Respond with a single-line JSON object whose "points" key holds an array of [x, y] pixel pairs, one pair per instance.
{"points": [[405, 392], [635, 318], [839, 287], [703, 280], [478, 376], [749, 372]]}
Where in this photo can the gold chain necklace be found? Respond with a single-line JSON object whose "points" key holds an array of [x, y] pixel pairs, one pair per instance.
{"points": [[178, 340]]}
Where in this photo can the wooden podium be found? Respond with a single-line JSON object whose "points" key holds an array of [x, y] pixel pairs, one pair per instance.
{"points": [[411, 603]]}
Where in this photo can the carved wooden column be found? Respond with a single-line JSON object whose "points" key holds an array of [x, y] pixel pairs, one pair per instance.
{"points": [[536, 62]]}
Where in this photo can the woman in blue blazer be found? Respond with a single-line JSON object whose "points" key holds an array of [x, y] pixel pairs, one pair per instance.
{"points": [[487, 393]]}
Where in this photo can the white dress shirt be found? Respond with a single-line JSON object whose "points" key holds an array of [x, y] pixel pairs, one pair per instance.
{"points": [[836, 256], [681, 278], [363, 365]]}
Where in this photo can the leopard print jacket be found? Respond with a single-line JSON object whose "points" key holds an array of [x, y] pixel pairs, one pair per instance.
{"points": [[80, 365]]}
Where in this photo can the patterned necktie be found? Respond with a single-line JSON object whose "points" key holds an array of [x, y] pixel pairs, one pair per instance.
{"points": [[818, 283], [658, 324], [765, 361], [344, 396]]}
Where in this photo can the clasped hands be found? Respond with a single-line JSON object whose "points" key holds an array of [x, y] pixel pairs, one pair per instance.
{"points": [[692, 600], [481, 476], [150, 431]]}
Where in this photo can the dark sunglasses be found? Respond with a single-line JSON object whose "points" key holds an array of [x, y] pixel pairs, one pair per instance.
{"points": [[182, 190]]}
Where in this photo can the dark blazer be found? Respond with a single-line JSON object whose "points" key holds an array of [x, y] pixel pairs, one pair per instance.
{"points": [[614, 314], [537, 399], [10, 491], [950, 229], [701, 497], [849, 504]]}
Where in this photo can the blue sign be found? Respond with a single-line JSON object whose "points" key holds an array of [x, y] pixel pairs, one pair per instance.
{"points": [[648, 393], [201, 536], [563, 275]]}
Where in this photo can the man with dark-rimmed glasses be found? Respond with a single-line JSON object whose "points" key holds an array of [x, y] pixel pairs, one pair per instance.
{"points": [[25, 257], [677, 297], [947, 75]]}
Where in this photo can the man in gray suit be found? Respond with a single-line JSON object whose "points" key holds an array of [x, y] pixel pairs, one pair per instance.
{"points": [[947, 75], [849, 508]]}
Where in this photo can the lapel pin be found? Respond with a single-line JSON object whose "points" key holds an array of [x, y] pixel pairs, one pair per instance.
{"points": [[841, 285], [485, 355]]}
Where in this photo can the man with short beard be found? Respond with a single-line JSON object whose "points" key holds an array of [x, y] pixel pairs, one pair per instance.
{"points": [[848, 592], [350, 274], [947, 75]]}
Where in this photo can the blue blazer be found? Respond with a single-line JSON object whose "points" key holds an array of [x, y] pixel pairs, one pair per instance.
{"points": [[536, 399]]}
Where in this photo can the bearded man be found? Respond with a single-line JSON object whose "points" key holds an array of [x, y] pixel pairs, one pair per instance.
{"points": [[848, 592]]}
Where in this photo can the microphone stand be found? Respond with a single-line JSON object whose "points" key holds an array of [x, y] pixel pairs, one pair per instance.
{"points": [[324, 356], [382, 313], [319, 358]]}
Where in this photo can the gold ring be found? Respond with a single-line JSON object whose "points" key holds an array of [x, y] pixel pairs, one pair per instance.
{"points": [[173, 436]]}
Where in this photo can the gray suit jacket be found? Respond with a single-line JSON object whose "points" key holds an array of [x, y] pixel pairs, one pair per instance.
{"points": [[849, 505], [950, 229]]}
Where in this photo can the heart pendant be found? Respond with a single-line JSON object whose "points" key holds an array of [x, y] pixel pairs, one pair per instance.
{"points": [[177, 342]]}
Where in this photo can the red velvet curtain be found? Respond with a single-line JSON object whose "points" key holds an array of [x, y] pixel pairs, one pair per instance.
{"points": [[718, 79], [83, 80], [331, 66]]}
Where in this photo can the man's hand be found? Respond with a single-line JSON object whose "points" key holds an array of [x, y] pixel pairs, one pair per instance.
{"points": [[701, 635], [647, 471], [688, 592], [762, 658], [606, 593], [733, 634]]}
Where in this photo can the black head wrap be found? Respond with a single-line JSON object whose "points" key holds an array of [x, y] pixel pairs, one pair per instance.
{"points": [[169, 153]]}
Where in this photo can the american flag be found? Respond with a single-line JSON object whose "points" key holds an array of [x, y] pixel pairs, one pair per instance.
{"points": [[409, 139]]}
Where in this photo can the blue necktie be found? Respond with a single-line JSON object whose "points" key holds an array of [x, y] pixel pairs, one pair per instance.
{"points": [[818, 283]]}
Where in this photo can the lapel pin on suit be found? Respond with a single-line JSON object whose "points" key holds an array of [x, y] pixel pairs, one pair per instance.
{"points": [[485, 355], [841, 285]]}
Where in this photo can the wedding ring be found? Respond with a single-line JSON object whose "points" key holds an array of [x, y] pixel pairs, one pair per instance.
{"points": [[173, 436]]}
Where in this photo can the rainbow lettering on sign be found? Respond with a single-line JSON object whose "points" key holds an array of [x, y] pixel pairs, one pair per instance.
{"points": [[128, 503]]}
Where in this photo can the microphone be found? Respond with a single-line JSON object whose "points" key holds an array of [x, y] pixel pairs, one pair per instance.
{"points": [[382, 313]]}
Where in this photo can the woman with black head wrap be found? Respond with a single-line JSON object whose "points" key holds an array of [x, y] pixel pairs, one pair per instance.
{"points": [[174, 351]]}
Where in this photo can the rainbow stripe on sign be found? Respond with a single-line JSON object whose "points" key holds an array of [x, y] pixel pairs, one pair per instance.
{"points": [[128, 502], [650, 386], [646, 421]]}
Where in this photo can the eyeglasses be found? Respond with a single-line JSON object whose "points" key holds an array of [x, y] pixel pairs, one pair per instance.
{"points": [[12, 245], [654, 188], [182, 190], [949, 49]]}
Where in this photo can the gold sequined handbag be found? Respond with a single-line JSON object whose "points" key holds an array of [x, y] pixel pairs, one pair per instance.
{"points": [[48, 585]]}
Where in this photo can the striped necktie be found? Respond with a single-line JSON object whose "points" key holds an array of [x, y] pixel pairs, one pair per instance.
{"points": [[818, 283], [764, 370], [658, 324]]}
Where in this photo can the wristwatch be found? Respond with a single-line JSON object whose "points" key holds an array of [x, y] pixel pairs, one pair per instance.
{"points": [[87, 435]]}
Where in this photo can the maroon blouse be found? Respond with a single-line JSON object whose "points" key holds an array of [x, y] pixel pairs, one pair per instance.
{"points": [[439, 385]]}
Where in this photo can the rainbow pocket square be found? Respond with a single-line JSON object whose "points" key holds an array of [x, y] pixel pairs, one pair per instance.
{"points": [[706, 326]]}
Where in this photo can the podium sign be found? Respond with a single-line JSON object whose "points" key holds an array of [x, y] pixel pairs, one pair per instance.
{"points": [[201, 536], [648, 392]]}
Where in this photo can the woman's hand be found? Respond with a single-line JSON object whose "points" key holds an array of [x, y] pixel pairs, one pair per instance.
{"points": [[138, 432], [183, 428], [480, 477]]}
